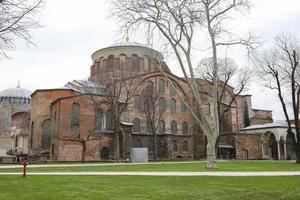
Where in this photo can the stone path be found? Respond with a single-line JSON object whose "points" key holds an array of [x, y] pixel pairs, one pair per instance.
{"points": [[157, 173], [89, 164], [112, 164]]}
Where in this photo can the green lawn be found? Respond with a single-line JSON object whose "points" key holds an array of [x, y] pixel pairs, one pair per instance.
{"points": [[140, 187], [179, 167]]}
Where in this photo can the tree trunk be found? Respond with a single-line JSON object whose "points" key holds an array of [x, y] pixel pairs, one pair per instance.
{"points": [[83, 152], [154, 147], [211, 152], [124, 152], [298, 149], [117, 146]]}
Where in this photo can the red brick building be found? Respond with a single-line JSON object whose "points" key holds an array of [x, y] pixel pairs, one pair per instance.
{"points": [[73, 111]]}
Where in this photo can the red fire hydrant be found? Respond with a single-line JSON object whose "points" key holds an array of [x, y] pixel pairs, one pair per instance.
{"points": [[24, 167]]}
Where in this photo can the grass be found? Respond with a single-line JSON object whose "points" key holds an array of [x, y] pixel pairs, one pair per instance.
{"points": [[134, 188], [178, 167]]}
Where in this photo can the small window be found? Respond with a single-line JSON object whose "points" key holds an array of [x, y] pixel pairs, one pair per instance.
{"points": [[161, 87], [149, 88], [173, 106], [110, 63], [100, 120], [173, 127], [146, 64], [136, 125], [46, 137], [148, 128], [75, 118], [122, 61], [185, 128], [183, 107], [162, 105], [135, 63], [109, 120], [172, 91], [137, 102], [161, 127]]}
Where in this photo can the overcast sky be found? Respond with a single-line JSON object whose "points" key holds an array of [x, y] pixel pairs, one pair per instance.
{"points": [[73, 30]]}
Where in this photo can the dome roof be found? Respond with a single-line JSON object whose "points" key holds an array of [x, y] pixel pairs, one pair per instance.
{"points": [[127, 44], [16, 92]]}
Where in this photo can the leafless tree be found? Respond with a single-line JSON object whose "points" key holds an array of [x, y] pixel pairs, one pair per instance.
{"points": [[280, 71], [230, 76], [120, 88], [153, 108], [178, 21], [17, 18]]}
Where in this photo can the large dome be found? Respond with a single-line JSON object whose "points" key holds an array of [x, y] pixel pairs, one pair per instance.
{"points": [[127, 48], [16, 92]]}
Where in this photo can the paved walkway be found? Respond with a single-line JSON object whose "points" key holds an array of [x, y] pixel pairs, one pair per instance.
{"points": [[158, 173], [88, 164], [112, 164]]}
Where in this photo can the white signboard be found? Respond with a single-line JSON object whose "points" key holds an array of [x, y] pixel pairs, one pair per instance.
{"points": [[139, 155]]}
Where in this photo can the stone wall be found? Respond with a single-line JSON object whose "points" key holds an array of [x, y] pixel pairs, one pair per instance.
{"points": [[248, 146]]}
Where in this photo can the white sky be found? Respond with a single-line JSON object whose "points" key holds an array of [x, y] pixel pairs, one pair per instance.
{"points": [[73, 30]]}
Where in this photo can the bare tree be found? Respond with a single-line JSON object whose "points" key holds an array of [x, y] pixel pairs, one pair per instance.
{"points": [[280, 71], [230, 76], [153, 108], [177, 22], [120, 88], [17, 18]]}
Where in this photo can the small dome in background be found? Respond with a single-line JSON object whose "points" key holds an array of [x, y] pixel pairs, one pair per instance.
{"points": [[16, 92]]}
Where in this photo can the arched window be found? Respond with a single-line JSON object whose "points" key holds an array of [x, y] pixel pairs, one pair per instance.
{"points": [[161, 127], [136, 125], [183, 107], [172, 91], [31, 132], [46, 129], [137, 102], [161, 87], [100, 67], [109, 120], [173, 105], [135, 63], [185, 128], [75, 116], [149, 88], [110, 63], [146, 64], [173, 127], [174, 145], [162, 105], [185, 146], [54, 118], [122, 61], [100, 120], [148, 128]]}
